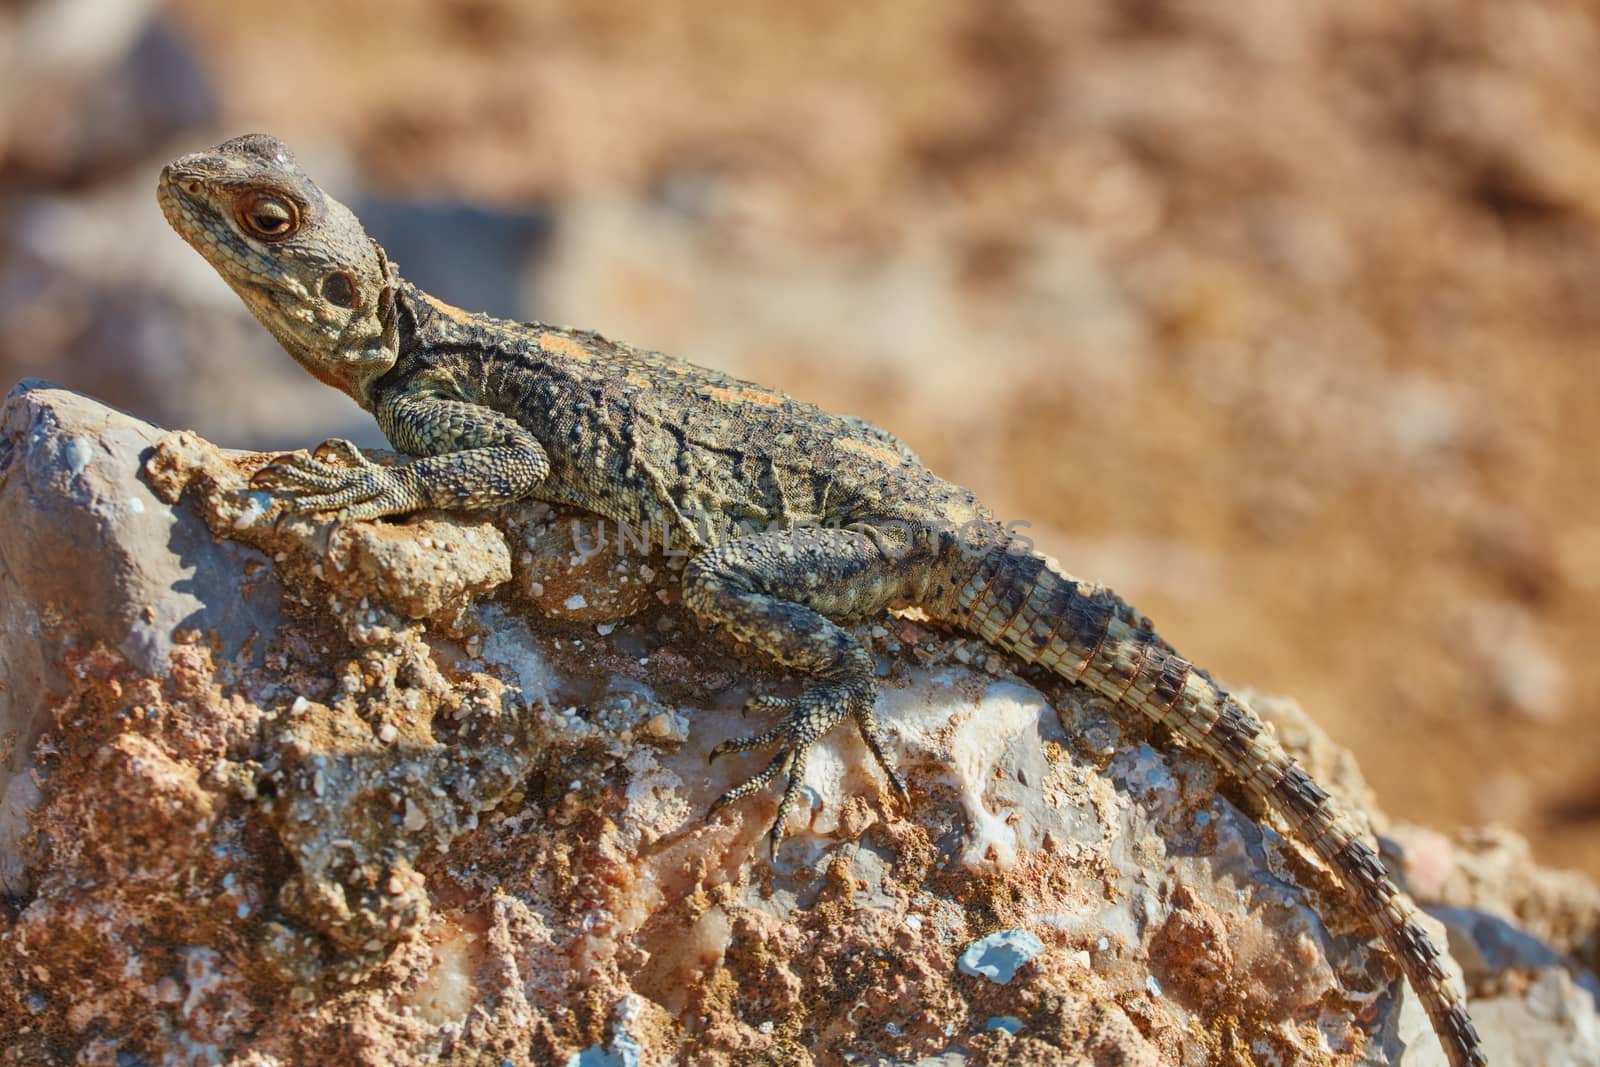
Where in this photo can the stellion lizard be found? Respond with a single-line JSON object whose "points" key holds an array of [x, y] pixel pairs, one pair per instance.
{"points": [[797, 519]]}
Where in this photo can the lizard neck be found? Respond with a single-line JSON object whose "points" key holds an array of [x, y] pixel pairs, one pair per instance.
{"points": [[350, 356]]}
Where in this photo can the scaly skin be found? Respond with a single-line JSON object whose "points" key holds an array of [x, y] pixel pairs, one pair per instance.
{"points": [[798, 520]]}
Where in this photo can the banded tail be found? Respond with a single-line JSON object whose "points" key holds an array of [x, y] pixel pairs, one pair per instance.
{"points": [[1019, 601]]}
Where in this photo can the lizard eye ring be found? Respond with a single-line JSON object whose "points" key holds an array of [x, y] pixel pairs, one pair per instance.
{"points": [[268, 217]]}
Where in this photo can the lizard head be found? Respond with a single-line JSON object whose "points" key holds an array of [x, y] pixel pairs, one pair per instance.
{"points": [[297, 257]]}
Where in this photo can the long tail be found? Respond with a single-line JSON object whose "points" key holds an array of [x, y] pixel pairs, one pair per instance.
{"points": [[1021, 602]]}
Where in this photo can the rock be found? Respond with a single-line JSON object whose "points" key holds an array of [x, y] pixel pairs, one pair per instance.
{"points": [[297, 793], [1486, 945], [584, 568], [92, 564], [999, 956], [1492, 870], [92, 84], [1554, 1022]]}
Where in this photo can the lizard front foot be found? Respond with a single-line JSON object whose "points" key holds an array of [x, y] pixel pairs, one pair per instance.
{"points": [[810, 715], [355, 487]]}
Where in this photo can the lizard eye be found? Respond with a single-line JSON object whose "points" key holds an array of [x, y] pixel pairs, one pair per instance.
{"points": [[269, 217], [339, 289]]}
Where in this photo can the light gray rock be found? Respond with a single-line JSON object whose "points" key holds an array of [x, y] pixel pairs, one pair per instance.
{"points": [[1552, 1024], [89, 556]]}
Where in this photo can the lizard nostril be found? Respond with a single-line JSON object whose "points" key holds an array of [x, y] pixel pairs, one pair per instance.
{"points": [[192, 187]]}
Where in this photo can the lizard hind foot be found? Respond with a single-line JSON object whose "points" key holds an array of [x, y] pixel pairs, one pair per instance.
{"points": [[810, 715]]}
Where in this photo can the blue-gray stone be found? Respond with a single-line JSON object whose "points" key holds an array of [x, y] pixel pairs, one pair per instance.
{"points": [[999, 956]]}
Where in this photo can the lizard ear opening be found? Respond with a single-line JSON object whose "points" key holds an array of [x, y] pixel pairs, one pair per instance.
{"points": [[339, 289], [386, 293]]}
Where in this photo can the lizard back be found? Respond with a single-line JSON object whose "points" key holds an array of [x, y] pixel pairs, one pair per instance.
{"points": [[645, 438]]}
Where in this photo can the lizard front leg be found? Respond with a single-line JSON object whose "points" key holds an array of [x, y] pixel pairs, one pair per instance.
{"points": [[473, 457], [777, 591]]}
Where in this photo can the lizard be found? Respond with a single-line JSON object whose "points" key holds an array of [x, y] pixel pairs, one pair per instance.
{"points": [[795, 521]]}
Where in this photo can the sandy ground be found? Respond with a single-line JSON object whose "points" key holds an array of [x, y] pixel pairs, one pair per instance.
{"points": [[1279, 318]]}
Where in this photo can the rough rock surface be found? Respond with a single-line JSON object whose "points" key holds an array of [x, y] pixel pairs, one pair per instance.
{"points": [[433, 791]]}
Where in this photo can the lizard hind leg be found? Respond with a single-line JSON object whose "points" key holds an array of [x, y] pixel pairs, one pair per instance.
{"points": [[780, 592]]}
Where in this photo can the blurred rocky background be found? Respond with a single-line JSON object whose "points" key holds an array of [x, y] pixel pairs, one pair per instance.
{"points": [[1279, 318]]}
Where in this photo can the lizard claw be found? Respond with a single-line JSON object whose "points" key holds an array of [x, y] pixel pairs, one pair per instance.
{"points": [[335, 465], [764, 703], [790, 762], [745, 744], [295, 470], [268, 475], [342, 452]]}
